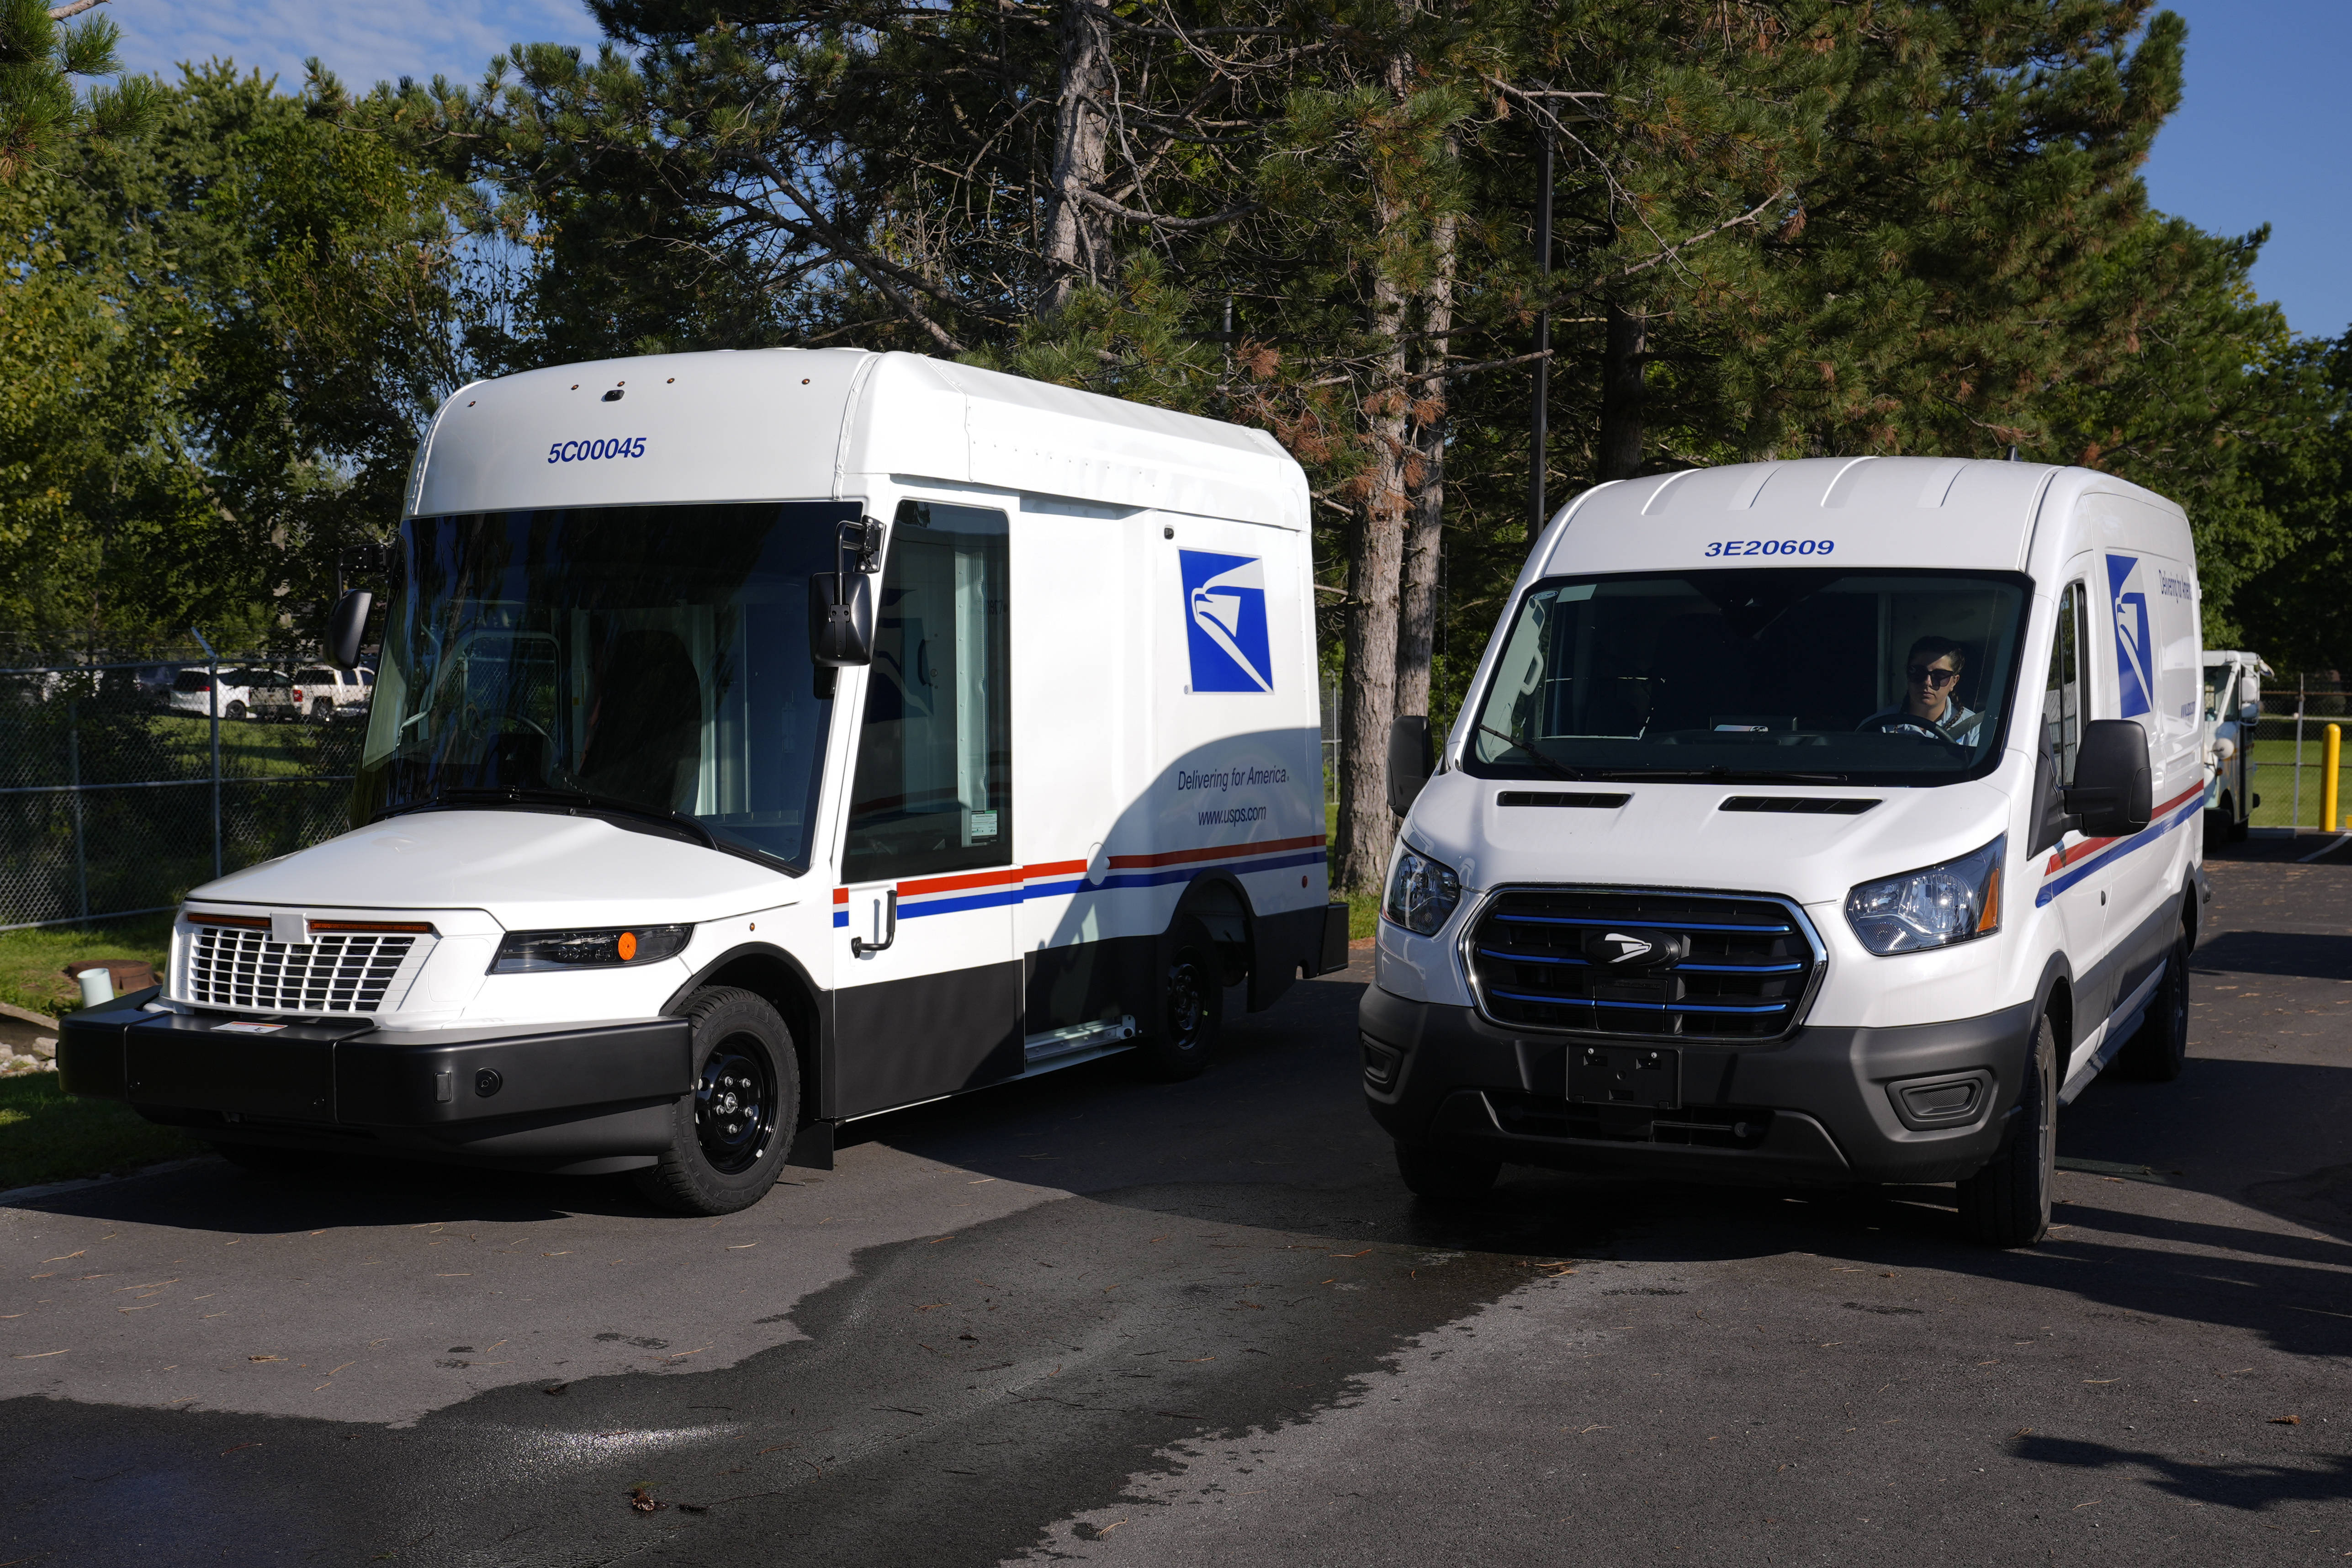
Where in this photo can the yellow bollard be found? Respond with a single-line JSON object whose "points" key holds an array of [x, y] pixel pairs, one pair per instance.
{"points": [[2329, 756]]}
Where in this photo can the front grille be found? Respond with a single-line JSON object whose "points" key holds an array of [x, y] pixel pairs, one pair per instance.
{"points": [[1746, 971], [241, 967]]}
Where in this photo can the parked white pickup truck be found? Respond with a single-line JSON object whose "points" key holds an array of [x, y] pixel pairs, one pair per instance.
{"points": [[2233, 708]]}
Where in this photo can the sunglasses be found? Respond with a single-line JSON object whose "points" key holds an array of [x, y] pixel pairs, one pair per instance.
{"points": [[1920, 672]]}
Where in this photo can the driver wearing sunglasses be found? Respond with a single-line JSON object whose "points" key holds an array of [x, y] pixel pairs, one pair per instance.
{"points": [[1930, 708]]}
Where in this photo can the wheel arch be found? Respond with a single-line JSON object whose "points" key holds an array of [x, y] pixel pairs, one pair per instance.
{"points": [[773, 974]]}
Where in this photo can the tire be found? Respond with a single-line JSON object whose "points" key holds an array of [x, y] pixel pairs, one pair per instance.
{"points": [[2159, 1048], [234, 710], [1442, 1176], [730, 1137], [272, 1163], [2006, 1203], [2217, 827], [322, 710], [2240, 825], [1189, 1010]]}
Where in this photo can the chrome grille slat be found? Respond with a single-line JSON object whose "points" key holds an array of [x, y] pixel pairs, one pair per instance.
{"points": [[240, 967], [1750, 963]]}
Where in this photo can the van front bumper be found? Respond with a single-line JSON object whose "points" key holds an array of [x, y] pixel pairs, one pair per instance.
{"points": [[581, 1100], [1826, 1105]]}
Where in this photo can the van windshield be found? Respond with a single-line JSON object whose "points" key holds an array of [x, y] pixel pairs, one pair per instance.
{"points": [[648, 662], [1792, 673]]}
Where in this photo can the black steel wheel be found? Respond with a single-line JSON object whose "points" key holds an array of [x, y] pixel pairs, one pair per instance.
{"points": [[2159, 1050], [2006, 1203], [730, 1137], [1190, 1009]]}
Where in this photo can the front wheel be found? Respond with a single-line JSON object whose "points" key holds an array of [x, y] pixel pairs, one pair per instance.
{"points": [[731, 1135], [1191, 1007], [2159, 1048], [2006, 1203]]}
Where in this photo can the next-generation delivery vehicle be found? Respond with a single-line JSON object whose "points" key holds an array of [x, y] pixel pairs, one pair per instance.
{"points": [[1820, 821], [762, 741]]}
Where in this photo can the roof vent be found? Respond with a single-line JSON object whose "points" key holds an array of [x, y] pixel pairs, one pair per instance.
{"points": [[1798, 804]]}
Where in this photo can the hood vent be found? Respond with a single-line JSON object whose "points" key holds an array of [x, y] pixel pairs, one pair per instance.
{"points": [[1798, 804], [1557, 797]]}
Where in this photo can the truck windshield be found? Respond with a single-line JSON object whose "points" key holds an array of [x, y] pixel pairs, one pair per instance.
{"points": [[651, 661], [1796, 673]]}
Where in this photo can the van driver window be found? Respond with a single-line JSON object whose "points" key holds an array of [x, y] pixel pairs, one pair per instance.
{"points": [[934, 781], [2063, 695], [1802, 673]]}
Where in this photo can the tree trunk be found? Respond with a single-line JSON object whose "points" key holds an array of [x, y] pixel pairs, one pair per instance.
{"points": [[1620, 453], [1073, 232], [1425, 483]]}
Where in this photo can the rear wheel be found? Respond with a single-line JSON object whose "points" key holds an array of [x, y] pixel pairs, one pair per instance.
{"points": [[322, 708], [1444, 1176], [2159, 1050], [731, 1135], [1191, 1007], [2006, 1203], [234, 710]]}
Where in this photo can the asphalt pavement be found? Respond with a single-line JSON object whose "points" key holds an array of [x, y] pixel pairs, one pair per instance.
{"points": [[1090, 1318]]}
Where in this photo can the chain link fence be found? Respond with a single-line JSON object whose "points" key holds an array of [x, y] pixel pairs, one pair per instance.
{"points": [[2289, 747], [124, 785]]}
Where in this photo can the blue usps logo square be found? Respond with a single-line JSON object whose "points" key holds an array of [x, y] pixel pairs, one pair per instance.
{"points": [[2135, 650], [1224, 621]]}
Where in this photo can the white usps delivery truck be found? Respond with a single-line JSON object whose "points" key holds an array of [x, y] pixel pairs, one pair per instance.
{"points": [[761, 740], [1820, 821]]}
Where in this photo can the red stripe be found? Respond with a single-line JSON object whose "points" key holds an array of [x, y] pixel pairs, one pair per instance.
{"points": [[995, 878], [1218, 851], [1052, 869], [841, 895], [2090, 847]]}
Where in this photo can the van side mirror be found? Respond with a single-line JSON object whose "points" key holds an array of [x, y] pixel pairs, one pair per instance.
{"points": [[346, 625], [1408, 761], [841, 618], [2250, 713], [2111, 793]]}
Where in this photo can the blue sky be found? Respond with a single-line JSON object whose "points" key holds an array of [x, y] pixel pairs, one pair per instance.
{"points": [[2262, 136]]}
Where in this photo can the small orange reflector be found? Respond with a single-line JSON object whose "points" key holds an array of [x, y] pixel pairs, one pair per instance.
{"points": [[628, 945], [1990, 919]]}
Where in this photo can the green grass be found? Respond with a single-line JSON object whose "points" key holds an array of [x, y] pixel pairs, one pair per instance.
{"points": [[251, 748], [32, 962], [47, 1135], [2275, 777]]}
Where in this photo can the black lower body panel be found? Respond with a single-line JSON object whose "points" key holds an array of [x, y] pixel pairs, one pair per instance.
{"points": [[900, 1041], [1825, 1105]]}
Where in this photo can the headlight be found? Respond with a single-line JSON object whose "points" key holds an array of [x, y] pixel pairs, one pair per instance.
{"points": [[526, 950], [1954, 902], [1421, 893]]}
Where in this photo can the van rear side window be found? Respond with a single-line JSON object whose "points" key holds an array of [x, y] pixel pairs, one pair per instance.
{"points": [[1868, 677]]}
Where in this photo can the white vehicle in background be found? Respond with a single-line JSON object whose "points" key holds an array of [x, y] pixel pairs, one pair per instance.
{"points": [[192, 692], [2233, 709], [323, 693], [764, 741]]}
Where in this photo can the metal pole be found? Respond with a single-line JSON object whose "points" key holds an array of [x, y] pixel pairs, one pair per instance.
{"points": [[1537, 425], [2297, 817], [212, 669], [73, 777]]}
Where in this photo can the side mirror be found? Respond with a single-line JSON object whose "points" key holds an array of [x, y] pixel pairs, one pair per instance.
{"points": [[2110, 793], [346, 625], [2250, 713], [1408, 761], [841, 618]]}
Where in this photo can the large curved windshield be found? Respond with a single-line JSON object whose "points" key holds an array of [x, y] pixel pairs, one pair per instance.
{"points": [[1798, 673], [647, 661]]}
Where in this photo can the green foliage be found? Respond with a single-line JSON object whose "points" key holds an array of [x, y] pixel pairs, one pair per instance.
{"points": [[40, 112]]}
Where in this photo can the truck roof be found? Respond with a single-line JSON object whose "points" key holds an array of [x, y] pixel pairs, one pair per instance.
{"points": [[813, 424], [1951, 512]]}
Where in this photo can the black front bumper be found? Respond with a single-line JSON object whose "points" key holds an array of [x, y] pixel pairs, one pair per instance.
{"points": [[1824, 1106], [580, 1100]]}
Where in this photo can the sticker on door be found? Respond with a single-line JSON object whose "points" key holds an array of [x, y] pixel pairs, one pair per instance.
{"points": [[1225, 625]]}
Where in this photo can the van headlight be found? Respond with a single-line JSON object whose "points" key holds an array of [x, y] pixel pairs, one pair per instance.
{"points": [[1955, 901], [524, 952], [1421, 893]]}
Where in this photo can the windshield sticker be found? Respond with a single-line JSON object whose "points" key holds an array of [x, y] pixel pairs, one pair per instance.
{"points": [[596, 451], [1225, 625], [2135, 673], [1770, 546]]}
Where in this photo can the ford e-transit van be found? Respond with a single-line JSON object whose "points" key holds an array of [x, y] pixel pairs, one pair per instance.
{"points": [[762, 741], [1820, 821]]}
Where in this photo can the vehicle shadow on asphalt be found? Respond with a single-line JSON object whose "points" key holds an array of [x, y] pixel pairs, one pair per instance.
{"points": [[2313, 955]]}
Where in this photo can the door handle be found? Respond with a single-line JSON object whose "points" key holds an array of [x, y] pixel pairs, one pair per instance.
{"points": [[859, 947]]}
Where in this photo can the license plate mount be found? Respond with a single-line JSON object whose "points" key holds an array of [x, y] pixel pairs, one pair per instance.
{"points": [[1642, 1076]]}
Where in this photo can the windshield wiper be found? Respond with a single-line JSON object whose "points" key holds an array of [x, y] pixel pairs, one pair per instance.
{"points": [[1562, 769]]}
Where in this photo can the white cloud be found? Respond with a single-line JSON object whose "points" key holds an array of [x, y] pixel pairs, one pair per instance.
{"points": [[363, 41]]}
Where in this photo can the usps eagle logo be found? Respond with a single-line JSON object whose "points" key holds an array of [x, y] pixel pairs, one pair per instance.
{"points": [[1224, 621], [2135, 650]]}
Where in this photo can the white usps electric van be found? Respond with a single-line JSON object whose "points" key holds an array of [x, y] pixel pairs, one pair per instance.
{"points": [[1814, 821], [761, 740], [2234, 712]]}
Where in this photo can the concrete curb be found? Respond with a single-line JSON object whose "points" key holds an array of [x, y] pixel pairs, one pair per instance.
{"points": [[15, 1195]]}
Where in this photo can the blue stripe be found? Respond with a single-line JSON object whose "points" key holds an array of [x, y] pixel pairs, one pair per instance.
{"points": [[1635, 1006], [998, 896], [840, 919], [994, 899], [1679, 968], [1637, 920], [2114, 852]]}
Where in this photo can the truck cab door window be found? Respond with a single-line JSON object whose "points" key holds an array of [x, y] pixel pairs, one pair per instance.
{"points": [[2064, 698], [933, 788]]}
